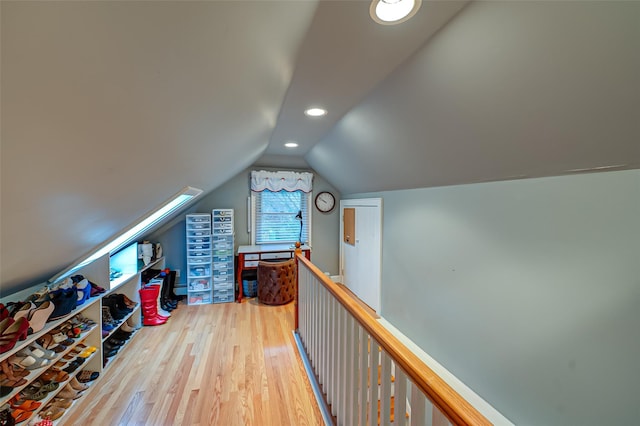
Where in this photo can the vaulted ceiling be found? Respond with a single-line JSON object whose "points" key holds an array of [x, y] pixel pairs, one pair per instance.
{"points": [[109, 108]]}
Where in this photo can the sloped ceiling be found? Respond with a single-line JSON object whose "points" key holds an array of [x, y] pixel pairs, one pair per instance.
{"points": [[109, 108], [507, 90]]}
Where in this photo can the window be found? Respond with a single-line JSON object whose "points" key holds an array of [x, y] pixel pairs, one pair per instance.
{"points": [[276, 200], [274, 216]]}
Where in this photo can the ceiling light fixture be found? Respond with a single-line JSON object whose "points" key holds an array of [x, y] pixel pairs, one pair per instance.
{"points": [[291, 145], [316, 112], [391, 12]]}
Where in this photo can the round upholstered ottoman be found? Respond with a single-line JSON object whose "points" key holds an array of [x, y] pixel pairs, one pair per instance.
{"points": [[277, 282]]}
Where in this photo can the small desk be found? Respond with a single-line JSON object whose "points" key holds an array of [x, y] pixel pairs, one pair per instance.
{"points": [[249, 256]]}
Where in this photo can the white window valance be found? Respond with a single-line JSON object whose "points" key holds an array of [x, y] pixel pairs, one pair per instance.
{"points": [[280, 181]]}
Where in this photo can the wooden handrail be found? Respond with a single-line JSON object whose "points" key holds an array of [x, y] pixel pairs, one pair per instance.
{"points": [[443, 396]]}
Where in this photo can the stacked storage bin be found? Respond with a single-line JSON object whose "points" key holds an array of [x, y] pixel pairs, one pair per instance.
{"points": [[223, 270], [199, 277]]}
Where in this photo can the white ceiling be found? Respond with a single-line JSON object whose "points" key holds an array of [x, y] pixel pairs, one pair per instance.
{"points": [[109, 108]]}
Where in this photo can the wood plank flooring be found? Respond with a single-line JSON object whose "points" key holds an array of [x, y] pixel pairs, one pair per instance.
{"points": [[226, 364]]}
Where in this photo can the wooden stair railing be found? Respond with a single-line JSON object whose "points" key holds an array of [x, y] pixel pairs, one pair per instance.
{"points": [[337, 335]]}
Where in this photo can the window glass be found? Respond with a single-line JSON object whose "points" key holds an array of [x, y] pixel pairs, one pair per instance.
{"points": [[275, 216]]}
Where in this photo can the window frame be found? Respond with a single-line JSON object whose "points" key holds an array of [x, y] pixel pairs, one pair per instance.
{"points": [[307, 220]]}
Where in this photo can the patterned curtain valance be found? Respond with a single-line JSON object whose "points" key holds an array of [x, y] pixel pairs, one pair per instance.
{"points": [[278, 181]]}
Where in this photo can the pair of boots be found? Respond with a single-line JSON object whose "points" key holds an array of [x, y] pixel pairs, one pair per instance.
{"points": [[152, 314]]}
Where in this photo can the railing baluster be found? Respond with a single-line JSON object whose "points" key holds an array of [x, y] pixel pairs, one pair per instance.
{"points": [[334, 358], [325, 339], [342, 395], [321, 331], [364, 376], [418, 407], [351, 371], [373, 382], [385, 390], [400, 397], [314, 328]]}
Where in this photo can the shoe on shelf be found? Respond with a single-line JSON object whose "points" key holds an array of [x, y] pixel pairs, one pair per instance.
{"points": [[37, 350], [68, 393], [77, 386], [39, 316], [96, 289], [21, 415], [54, 375], [52, 412], [24, 404], [29, 362], [11, 331], [24, 310], [61, 402], [83, 290], [87, 376]]}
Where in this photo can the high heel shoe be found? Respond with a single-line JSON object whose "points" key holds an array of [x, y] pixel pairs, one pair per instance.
{"points": [[14, 332], [24, 311], [5, 323], [39, 316], [4, 312]]}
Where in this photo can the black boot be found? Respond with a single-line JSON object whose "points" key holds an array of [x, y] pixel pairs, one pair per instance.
{"points": [[170, 291], [166, 302]]}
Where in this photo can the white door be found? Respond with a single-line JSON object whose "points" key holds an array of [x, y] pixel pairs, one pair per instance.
{"points": [[361, 259]]}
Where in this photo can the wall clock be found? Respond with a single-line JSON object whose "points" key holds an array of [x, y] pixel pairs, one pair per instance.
{"points": [[325, 201]]}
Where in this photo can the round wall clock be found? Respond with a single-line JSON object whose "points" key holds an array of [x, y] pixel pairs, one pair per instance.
{"points": [[325, 201]]}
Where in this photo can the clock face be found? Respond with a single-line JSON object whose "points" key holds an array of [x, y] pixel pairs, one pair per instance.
{"points": [[325, 201]]}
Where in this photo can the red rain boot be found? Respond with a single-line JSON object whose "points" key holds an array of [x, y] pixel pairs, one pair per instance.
{"points": [[148, 301]]}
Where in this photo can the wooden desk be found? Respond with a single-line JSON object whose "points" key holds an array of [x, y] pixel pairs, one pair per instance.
{"points": [[249, 256]]}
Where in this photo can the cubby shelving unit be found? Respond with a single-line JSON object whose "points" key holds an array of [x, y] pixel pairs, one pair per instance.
{"points": [[98, 272]]}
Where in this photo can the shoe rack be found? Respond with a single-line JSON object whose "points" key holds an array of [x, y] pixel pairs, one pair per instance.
{"points": [[199, 268], [223, 256], [88, 345]]}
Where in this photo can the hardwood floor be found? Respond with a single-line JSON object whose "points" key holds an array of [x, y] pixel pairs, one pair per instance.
{"points": [[226, 364]]}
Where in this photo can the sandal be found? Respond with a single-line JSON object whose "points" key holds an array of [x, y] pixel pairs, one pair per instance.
{"points": [[52, 412], [14, 383], [21, 415], [26, 405], [44, 386], [35, 352], [34, 393], [54, 375], [61, 402], [87, 376], [29, 362]]}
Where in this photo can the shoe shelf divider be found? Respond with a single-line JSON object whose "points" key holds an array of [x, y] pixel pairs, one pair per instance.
{"points": [[98, 272]]}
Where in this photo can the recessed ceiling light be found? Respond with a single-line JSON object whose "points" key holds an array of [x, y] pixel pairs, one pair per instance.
{"points": [[391, 12], [291, 145], [316, 112]]}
